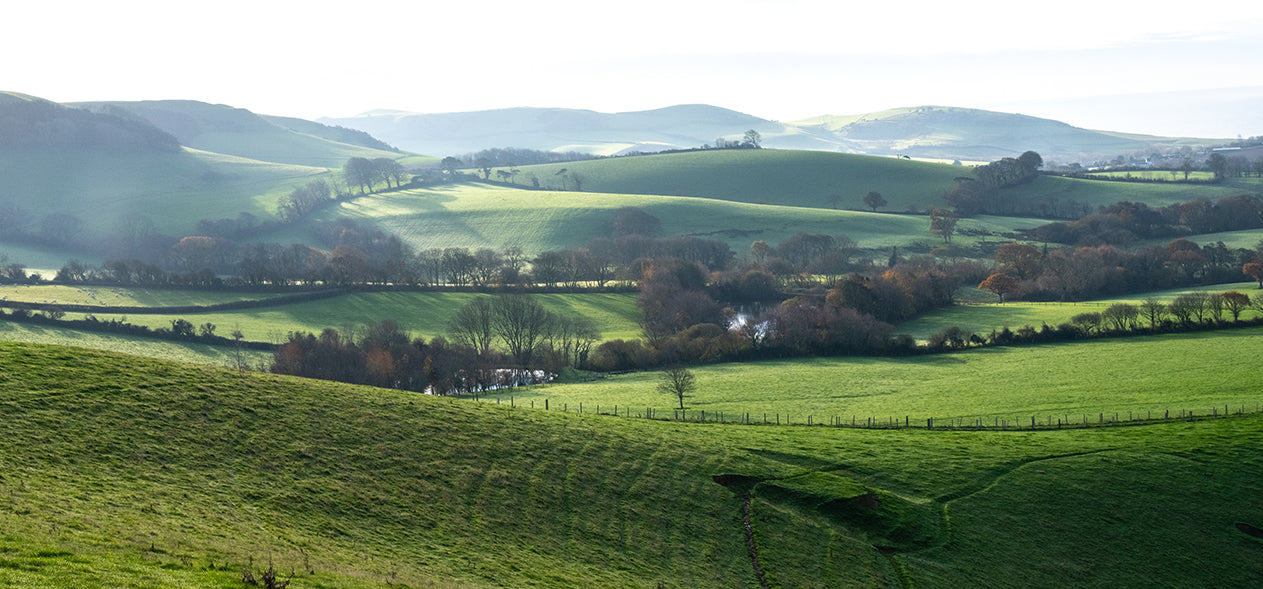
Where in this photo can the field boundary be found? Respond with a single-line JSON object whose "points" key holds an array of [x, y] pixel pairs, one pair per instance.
{"points": [[1014, 421]]}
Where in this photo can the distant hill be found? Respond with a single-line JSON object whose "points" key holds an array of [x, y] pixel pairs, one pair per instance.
{"points": [[966, 133], [925, 132], [561, 129], [339, 134], [235, 131], [27, 122]]}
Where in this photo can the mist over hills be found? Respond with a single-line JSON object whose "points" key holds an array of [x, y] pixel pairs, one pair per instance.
{"points": [[236, 131], [926, 132]]}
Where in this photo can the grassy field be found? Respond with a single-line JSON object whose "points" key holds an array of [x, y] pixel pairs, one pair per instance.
{"points": [[138, 346], [173, 190], [1116, 375], [985, 313], [425, 314], [480, 215], [810, 179], [123, 296], [125, 472], [768, 176]]}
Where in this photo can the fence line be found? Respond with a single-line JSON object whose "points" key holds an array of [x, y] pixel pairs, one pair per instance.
{"points": [[1024, 422]]}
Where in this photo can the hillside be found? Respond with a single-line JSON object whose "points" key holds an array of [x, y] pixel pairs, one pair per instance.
{"points": [[30, 123], [172, 189], [927, 132], [125, 472], [832, 180], [972, 134], [478, 215], [558, 129], [235, 131]]}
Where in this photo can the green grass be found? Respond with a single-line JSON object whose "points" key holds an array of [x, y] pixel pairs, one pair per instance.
{"points": [[139, 346], [425, 314], [766, 176], [1116, 375], [480, 215], [126, 472], [809, 179], [174, 190], [123, 296], [984, 313]]}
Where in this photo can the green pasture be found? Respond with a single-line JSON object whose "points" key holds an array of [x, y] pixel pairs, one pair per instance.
{"points": [[984, 313], [1065, 380], [173, 190], [123, 296], [1245, 238], [129, 472], [1164, 175], [765, 176], [138, 346], [812, 179], [1059, 191], [424, 314], [479, 215]]}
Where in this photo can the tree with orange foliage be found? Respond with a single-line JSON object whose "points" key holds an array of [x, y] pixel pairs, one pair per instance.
{"points": [[1255, 271], [999, 283]]}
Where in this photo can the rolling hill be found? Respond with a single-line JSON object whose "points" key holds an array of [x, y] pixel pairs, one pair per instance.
{"points": [[927, 132], [234, 131], [128, 472], [938, 132]]}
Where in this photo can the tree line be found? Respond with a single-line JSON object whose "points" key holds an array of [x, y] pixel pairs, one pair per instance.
{"points": [[1023, 271], [1126, 222], [495, 342], [1193, 311]]}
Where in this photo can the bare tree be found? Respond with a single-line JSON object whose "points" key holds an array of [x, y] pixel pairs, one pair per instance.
{"points": [[472, 325], [678, 382], [521, 323]]}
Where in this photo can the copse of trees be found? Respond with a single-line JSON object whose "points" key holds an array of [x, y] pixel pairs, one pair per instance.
{"points": [[984, 191], [365, 174], [1078, 273], [530, 334], [1126, 222], [382, 355]]}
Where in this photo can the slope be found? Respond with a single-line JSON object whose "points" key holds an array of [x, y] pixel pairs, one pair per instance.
{"points": [[833, 180], [675, 127], [481, 215], [125, 472], [173, 189], [235, 131], [966, 133]]}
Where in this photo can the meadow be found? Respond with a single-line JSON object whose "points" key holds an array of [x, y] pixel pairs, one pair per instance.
{"points": [[478, 215], [139, 473], [1061, 381], [174, 190], [123, 296], [423, 314], [812, 179], [139, 346], [984, 313]]}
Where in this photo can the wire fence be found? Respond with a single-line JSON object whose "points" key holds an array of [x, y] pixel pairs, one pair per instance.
{"points": [[1011, 422]]}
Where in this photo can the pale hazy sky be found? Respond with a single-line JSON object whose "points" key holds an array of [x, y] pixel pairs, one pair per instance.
{"points": [[782, 60]]}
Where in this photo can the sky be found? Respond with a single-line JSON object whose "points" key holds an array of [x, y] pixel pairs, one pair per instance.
{"points": [[1143, 67]]}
